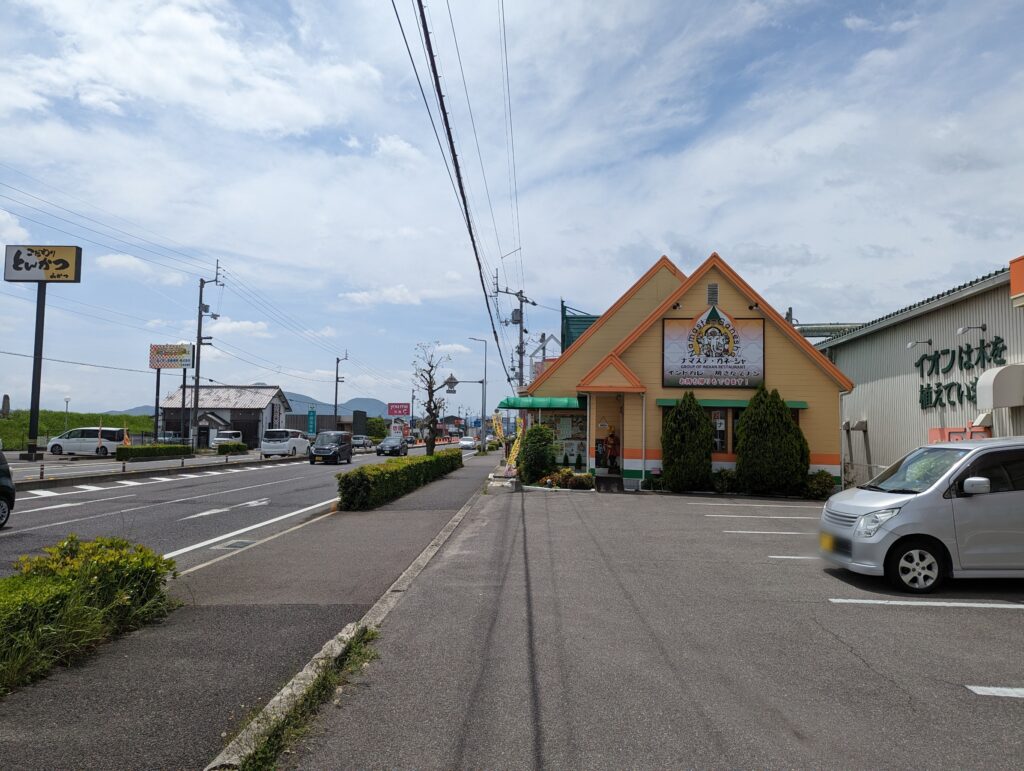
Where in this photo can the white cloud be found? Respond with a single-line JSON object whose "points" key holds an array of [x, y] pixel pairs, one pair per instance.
{"points": [[327, 331], [228, 326], [399, 294], [11, 231], [132, 267], [393, 147], [452, 348]]}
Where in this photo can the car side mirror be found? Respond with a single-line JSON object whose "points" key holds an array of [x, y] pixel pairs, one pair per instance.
{"points": [[977, 486]]}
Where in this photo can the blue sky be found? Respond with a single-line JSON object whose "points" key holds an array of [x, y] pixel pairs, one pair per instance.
{"points": [[846, 158]]}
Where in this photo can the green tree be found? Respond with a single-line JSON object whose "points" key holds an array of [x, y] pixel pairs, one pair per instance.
{"points": [[686, 443], [772, 455], [537, 455], [376, 428]]}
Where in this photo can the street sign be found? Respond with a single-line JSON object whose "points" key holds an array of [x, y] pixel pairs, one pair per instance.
{"points": [[399, 409], [177, 356], [450, 384], [476, 423], [43, 264], [311, 421]]}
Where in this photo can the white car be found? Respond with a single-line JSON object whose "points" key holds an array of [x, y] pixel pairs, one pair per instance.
{"points": [[284, 442], [226, 436], [467, 443], [87, 441]]}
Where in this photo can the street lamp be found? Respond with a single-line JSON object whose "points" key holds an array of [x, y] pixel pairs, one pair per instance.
{"points": [[483, 399], [67, 401]]}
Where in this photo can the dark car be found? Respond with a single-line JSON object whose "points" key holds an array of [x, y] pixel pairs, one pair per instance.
{"points": [[393, 445], [7, 493], [331, 447]]}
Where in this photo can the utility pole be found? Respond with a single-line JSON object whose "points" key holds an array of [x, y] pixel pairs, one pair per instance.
{"points": [[412, 411], [204, 310], [517, 319], [337, 363], [483, 399]]}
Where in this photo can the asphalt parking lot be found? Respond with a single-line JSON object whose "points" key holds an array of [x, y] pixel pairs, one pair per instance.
{"points": [[609, 631]]}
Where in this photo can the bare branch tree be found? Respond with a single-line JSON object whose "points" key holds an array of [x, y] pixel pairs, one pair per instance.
{"points": [[426, 366]]}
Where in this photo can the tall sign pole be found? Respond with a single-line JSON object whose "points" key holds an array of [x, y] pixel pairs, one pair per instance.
{"points": [[204, 310], [40, 265], [172, 356]]}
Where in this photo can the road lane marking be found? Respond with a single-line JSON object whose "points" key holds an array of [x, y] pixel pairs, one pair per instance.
{"points": [[991, 690], [930, 603], [162, 479], [757, 516], [788, 557], [247, 505], [42, 493], [89, 488], [187, 476], [8, 533], [128, 483], [767, 532], [69, 505], [219, 538], [753, 503]]}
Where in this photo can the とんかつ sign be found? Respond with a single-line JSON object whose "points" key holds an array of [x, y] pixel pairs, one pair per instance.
{"points": [[713, 350], [398, 409], [176, 356], [43, 264]]}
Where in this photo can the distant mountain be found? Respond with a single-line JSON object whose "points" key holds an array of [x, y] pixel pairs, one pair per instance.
{"points": [[374, 408], [145, 409]]}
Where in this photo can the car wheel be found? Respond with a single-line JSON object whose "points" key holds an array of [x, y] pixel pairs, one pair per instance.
{"points": [[57, 449], [294, 451], [5, 511], [102, 452], [917, 565], [312, 460]]}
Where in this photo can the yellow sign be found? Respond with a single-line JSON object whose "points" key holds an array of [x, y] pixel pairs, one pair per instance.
{"points": [[43, 264], [826, 541]]}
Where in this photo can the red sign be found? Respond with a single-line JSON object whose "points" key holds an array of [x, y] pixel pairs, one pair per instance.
{"points": [[398, 409]]}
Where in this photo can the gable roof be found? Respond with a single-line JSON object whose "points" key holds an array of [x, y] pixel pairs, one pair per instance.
{"points": [[626, 381], [227, 397], [663, 262], [714, 261]]}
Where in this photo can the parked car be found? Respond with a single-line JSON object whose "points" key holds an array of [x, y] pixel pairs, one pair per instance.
{"points": [[169, 437], [951, 509], [393, 445], [331, 447], [410, 441], [224, 437], [468, 443], [283, 442], [87, 441], [7, 491], [362, 441]]}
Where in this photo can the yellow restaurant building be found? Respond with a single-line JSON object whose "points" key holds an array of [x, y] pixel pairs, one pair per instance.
{"points": [[709, 332]]}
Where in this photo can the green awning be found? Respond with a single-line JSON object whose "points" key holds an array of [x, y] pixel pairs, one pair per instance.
{"points": [[793, 405], [539, 403]]}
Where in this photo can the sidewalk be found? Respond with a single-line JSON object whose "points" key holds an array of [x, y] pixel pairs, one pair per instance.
{"points": [[169, 696]]}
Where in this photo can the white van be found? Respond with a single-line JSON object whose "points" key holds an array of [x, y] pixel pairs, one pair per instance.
{"points": [[87, 441], [283, 441]]}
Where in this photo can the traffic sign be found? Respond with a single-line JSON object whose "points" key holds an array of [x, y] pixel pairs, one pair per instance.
{"points": [[311, 421]]}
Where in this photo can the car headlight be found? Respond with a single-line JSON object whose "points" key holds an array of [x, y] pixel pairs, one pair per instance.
{"points": [[868, 525]]}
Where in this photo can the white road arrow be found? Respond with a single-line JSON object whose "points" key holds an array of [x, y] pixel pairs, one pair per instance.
{"points": [[248, 504]]}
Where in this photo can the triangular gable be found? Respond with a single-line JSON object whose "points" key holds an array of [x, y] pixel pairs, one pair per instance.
{"points": [[663, 262], [714, 261], [611, 375]]}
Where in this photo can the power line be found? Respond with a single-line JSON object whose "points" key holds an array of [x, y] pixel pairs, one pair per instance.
{"points": [[458, 176], [79, 363]]}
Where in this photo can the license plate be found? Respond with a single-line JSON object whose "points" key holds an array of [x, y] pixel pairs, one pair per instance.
{"points": [[827, 541]]}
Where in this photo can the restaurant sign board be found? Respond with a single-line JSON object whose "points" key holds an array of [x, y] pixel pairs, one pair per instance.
{"points": [[713, 350]]}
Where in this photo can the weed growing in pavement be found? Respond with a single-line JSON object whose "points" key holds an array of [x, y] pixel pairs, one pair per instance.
{"points": [[357, 653]]}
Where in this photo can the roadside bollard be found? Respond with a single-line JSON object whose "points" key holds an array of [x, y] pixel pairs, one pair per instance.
{"points": [[226, 458], [41, 467], [123, 466], [183, 463]]}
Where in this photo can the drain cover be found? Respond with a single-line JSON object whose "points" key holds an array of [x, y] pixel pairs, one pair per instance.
{"points": [[232, 545]]}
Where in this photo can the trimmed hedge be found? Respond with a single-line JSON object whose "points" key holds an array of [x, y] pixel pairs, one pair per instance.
{"points": [[371, 486], [153, 451], [232, 448], [57, 607], [537, 455]]}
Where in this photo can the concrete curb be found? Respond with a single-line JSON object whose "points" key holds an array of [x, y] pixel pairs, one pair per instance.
{"points": [[277, 709], [71, 481]]}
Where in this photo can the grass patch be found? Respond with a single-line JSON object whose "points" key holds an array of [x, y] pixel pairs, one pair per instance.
{"points": [[296, 723], [60, 606], [14, 430]]}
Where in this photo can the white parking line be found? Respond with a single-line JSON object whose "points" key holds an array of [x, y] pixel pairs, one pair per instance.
{"points": [[990, 690], [757, 516], [767, 532], [42, 493], [787, 557], [232, 534], [930, 603], [754, 503], [88, 488]]}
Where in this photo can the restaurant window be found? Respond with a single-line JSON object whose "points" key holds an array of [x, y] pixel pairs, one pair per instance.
{"points": [[718, 417]]}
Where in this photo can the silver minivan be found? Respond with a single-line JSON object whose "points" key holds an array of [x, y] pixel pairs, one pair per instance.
{"points": [[953, 509]]}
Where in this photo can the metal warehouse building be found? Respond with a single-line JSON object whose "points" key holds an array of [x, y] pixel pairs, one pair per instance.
{"points": [[946, 368]]}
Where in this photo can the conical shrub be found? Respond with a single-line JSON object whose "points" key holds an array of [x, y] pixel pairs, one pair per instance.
{"points": [[772, 455], [686, 442]]}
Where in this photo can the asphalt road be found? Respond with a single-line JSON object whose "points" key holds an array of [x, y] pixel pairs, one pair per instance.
{"points": [[610, 631], [175, 512], [171, 695]]}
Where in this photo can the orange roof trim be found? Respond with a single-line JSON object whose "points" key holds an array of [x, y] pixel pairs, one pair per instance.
{"points": [[663, 262], [714, 261], [611, 361]]}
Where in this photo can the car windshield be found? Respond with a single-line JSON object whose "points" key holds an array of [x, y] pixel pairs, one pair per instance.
{"points": [[328, 438], [916, 472], [275, 436], [391, 440]]}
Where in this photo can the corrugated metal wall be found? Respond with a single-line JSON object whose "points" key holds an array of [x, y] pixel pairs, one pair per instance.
{"points": [[888, 382]]}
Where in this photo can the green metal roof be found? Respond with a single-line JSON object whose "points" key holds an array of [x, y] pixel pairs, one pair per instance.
{"points": [[539, 403], [794, 405]]}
